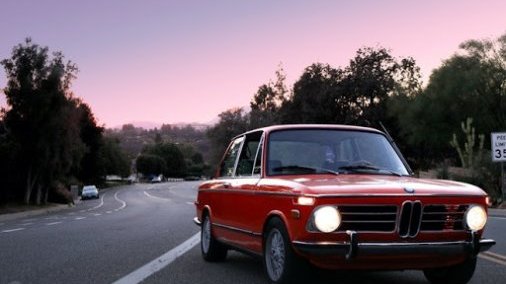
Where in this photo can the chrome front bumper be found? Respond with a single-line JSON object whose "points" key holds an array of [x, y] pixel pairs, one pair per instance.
{"points": [[353, 248]]}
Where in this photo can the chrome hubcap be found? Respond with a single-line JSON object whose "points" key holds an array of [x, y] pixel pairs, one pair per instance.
{"points": [[275, 255], [206, 235]]}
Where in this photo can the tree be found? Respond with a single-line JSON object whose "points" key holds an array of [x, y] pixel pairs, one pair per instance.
{"points": [[114, 159], [358, 94], [314, 97], [41, 117], [471, 83], [232, 122], [172, 156], [92, 168], [150, 164], [267, 101]]}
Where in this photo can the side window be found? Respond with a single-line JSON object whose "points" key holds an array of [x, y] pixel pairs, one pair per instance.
{"points": [[228, 164], [257, 167], [248, 157]]}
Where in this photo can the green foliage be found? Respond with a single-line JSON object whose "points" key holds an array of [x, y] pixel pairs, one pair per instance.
{"points": [[267, 101], [148, 164], [115, 161], [171, 155], [358, 94], [472, 83], [467, 155], [232, 122], [41, 118], [48, 137]]}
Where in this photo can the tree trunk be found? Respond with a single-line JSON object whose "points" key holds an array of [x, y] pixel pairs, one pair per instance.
{"points": [[29, 186], [46, 195], [38, 195]]}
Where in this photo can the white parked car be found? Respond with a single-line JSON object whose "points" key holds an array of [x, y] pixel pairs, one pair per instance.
{"points": [[89, 191]]}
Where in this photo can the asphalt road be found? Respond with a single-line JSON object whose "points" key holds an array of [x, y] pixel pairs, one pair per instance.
{"points": [[145, 232]]}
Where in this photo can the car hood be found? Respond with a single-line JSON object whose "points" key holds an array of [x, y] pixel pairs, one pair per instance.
{"points": [[375, 185]]}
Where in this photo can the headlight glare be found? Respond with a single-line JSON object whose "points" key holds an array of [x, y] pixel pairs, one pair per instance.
{"points": [[327, 219], [476, 217]]}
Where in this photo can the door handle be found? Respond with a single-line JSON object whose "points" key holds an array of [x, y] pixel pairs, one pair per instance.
{"points": [[227, 185]]}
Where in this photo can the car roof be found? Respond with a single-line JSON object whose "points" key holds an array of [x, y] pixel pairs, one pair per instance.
{"points": [[273, 128]]}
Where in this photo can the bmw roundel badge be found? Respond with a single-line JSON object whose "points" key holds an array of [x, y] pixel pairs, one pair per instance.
{"points": [[409, 190]]}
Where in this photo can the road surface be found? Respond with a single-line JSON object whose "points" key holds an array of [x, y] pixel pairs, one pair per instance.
{"points": [[144, 233]]}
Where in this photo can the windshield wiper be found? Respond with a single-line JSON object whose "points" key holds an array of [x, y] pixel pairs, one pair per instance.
{"points": [[368, 167], [305, 168]]}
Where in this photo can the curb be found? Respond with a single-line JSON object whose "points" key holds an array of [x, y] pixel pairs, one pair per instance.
{"points": [[36, 212]]}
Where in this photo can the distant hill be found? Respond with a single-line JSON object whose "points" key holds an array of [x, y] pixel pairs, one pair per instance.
{"points": [[134, 138], [148, 125]]}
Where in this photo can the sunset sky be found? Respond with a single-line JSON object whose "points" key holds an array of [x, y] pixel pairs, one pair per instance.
{"points": [[187, 61]]}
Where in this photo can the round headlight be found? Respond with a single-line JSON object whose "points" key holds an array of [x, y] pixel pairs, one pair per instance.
{"points": [[327, 219], [476, 218]]}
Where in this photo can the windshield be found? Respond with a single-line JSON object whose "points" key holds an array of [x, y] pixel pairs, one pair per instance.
{"points": [[324, 151]]}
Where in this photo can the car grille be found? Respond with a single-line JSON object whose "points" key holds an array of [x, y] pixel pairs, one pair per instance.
{"points": [[377, 218], [414, 217], [443, 217]]}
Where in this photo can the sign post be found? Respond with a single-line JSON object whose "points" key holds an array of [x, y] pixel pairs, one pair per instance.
{"points": [[498, 141]]}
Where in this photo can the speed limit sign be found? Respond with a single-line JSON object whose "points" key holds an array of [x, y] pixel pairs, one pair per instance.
{"points": [[498, 147]]}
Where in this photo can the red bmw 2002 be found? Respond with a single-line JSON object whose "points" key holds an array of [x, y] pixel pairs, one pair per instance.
{"points": [[339, 197]]}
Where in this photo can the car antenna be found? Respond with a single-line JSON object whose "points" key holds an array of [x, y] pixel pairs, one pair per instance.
{"points": [[391, 140]]}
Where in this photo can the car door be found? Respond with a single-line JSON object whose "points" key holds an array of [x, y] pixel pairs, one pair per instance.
{"points": [[238, 206]]}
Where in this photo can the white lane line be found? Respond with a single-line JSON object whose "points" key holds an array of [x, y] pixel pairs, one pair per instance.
{"points": [[12, 230], [71, 213], [190, 203], [156, 197], [108, 212], [97, 214], [495, 217], [79, 218], [492, 259], [159, 263], [120, 201], [53, 223], [26, 224], [496, 255], [100, 204]]}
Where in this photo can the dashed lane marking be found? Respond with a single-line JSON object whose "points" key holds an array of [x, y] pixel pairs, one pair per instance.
{"points": [[123, 203], [79, 218], [489, 257], [190, 203], [12, 230], [100, 204], [156, 197], [53, 223], [496, 255], [97, 214], [157, 264], [108, 212], [26, 224]]}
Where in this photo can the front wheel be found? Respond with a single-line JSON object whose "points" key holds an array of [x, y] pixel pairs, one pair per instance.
{"points": [[212, 250], [457, 274], [281, 263]]}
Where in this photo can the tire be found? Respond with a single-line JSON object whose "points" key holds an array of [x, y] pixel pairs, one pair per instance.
{"points": [[211, 249], [281, 264], [457, 274]]}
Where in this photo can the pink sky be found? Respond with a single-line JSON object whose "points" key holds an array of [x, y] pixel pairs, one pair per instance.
{"points": [[187, 61]]}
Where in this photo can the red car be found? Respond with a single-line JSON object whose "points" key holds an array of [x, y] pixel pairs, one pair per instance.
{"points": [[338, 197]]}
